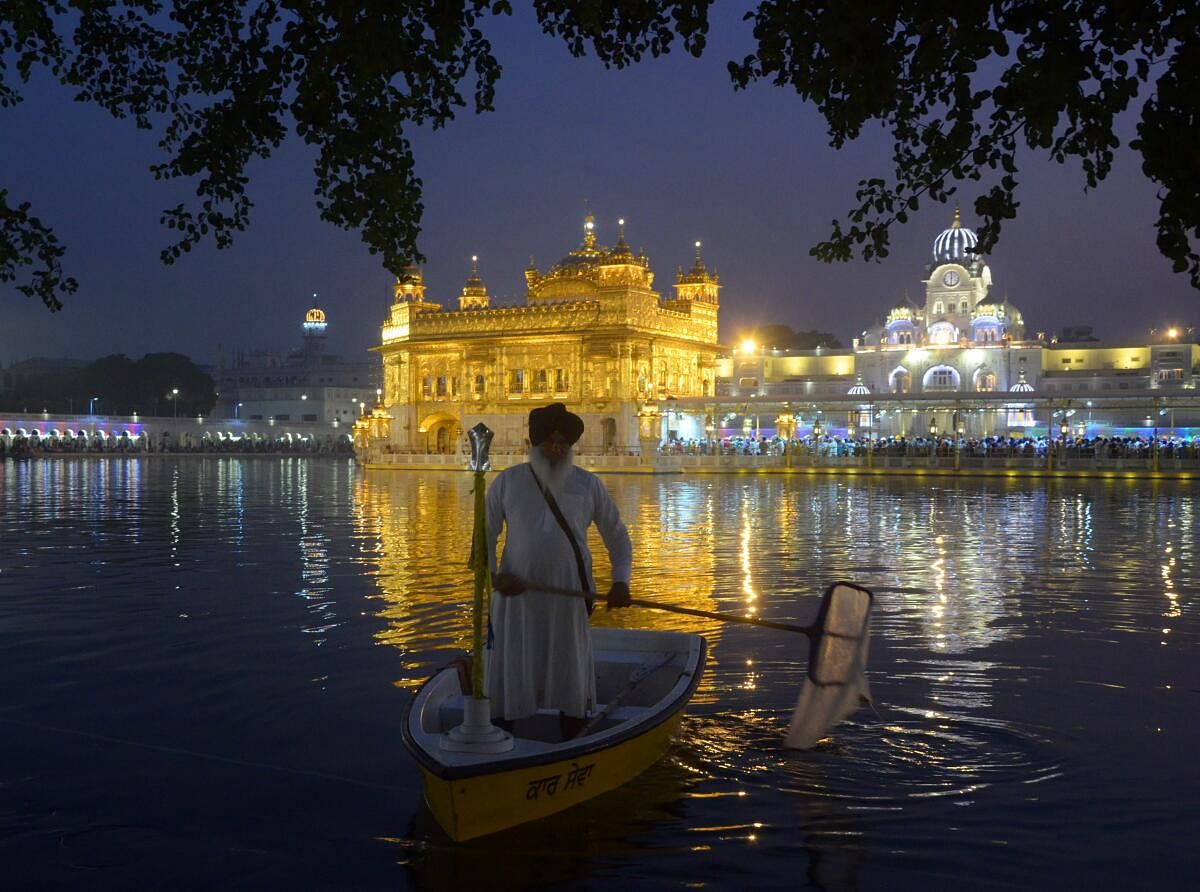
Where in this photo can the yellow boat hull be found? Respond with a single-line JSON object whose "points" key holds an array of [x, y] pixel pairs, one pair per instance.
{"points": [[475, 795], [476, 806]]}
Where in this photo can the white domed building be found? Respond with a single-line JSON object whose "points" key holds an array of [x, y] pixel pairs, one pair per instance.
{"points": [[962, 338]]}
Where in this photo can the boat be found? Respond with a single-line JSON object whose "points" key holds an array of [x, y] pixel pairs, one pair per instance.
{"points": [[644, 680]]}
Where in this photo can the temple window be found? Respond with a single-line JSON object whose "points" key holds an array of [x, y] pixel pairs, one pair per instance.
{"points": [[427, 386], [560, 381], [962, 307], [939, 308], [516, 381], [441, 385], [985, 382], [479, 385], [539, 381], [941, 379]]}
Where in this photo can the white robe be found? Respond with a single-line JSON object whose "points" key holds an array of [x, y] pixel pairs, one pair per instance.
{"points": [[540, 647]]}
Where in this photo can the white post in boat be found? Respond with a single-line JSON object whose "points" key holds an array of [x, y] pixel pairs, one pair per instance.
{"points": [[477, 734]]}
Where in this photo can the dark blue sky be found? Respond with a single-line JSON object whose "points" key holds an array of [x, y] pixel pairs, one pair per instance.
{"points": [[668, 145]]}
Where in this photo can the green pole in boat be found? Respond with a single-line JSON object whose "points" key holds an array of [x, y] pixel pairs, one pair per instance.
{"points": [[481, 438], [477, 734]]}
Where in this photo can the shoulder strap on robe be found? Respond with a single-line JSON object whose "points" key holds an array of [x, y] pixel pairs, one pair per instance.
{"points": [[566, 528]]}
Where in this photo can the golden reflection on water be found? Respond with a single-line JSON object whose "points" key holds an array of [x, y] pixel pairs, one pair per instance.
{"points": [[417, 530], [956, 565], [747, 574]]}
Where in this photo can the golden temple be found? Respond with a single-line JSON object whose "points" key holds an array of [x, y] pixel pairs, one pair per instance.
{"points": [[592, 333]]}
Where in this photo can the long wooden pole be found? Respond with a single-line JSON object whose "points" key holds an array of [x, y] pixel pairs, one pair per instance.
{"points": [[810, 631]]}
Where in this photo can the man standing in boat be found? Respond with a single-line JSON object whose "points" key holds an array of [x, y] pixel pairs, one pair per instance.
{"points": [[540, 644]]}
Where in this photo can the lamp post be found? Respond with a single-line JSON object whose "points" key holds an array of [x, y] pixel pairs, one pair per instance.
{"points": [[174, 395], [92, 405], [237, 411]]}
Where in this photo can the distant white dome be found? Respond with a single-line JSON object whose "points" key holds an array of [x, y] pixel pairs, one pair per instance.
{"points": [[858, 389], [953, 245]]}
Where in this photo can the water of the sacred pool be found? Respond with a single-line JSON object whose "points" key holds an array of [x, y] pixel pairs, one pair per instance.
{"points": [[206, 662]]}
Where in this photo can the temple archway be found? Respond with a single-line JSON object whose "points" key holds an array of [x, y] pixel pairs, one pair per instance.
{"points": [[608, 431], [441, 430]]}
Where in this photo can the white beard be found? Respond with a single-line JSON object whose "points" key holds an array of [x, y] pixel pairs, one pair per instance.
{"points": [[553, 477]]}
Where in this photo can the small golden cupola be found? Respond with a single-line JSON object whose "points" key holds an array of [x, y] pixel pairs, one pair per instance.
{"points": [[410, 286], [474, 294], [697, 284], [314, 330], [621, 252], [589, 232], [314, 320]]}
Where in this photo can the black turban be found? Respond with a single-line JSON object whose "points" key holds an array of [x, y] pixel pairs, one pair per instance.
{"points": [[545, 420]]}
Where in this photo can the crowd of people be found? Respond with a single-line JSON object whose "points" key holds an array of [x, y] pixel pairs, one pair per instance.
{"points": [[1116, 447], [29, 444]]}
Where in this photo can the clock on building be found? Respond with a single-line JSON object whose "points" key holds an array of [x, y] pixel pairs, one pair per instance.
{"points": [[951, 278]]}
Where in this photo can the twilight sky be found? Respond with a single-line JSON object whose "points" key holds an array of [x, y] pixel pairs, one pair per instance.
{"points": [[668, 145]]}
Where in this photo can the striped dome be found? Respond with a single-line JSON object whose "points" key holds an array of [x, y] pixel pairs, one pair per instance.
{"points": [[952, 245]]}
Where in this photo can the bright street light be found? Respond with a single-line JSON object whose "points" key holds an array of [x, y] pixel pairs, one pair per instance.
{"points": [[92, 404], [174, 397], [237, 410]]}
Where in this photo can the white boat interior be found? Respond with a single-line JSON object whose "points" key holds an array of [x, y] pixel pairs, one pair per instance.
{"points": [[639, 675]]}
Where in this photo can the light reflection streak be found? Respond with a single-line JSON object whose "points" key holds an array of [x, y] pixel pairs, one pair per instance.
{"points": [[747, 573], [231, 487], [314, 557], [174, 524]]}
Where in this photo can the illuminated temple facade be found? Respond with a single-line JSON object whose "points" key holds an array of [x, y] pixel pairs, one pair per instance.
{"points": [[641, 367], [592, 333]]}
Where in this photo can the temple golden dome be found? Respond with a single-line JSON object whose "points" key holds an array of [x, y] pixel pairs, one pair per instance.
{"points": [[474, 293]]}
